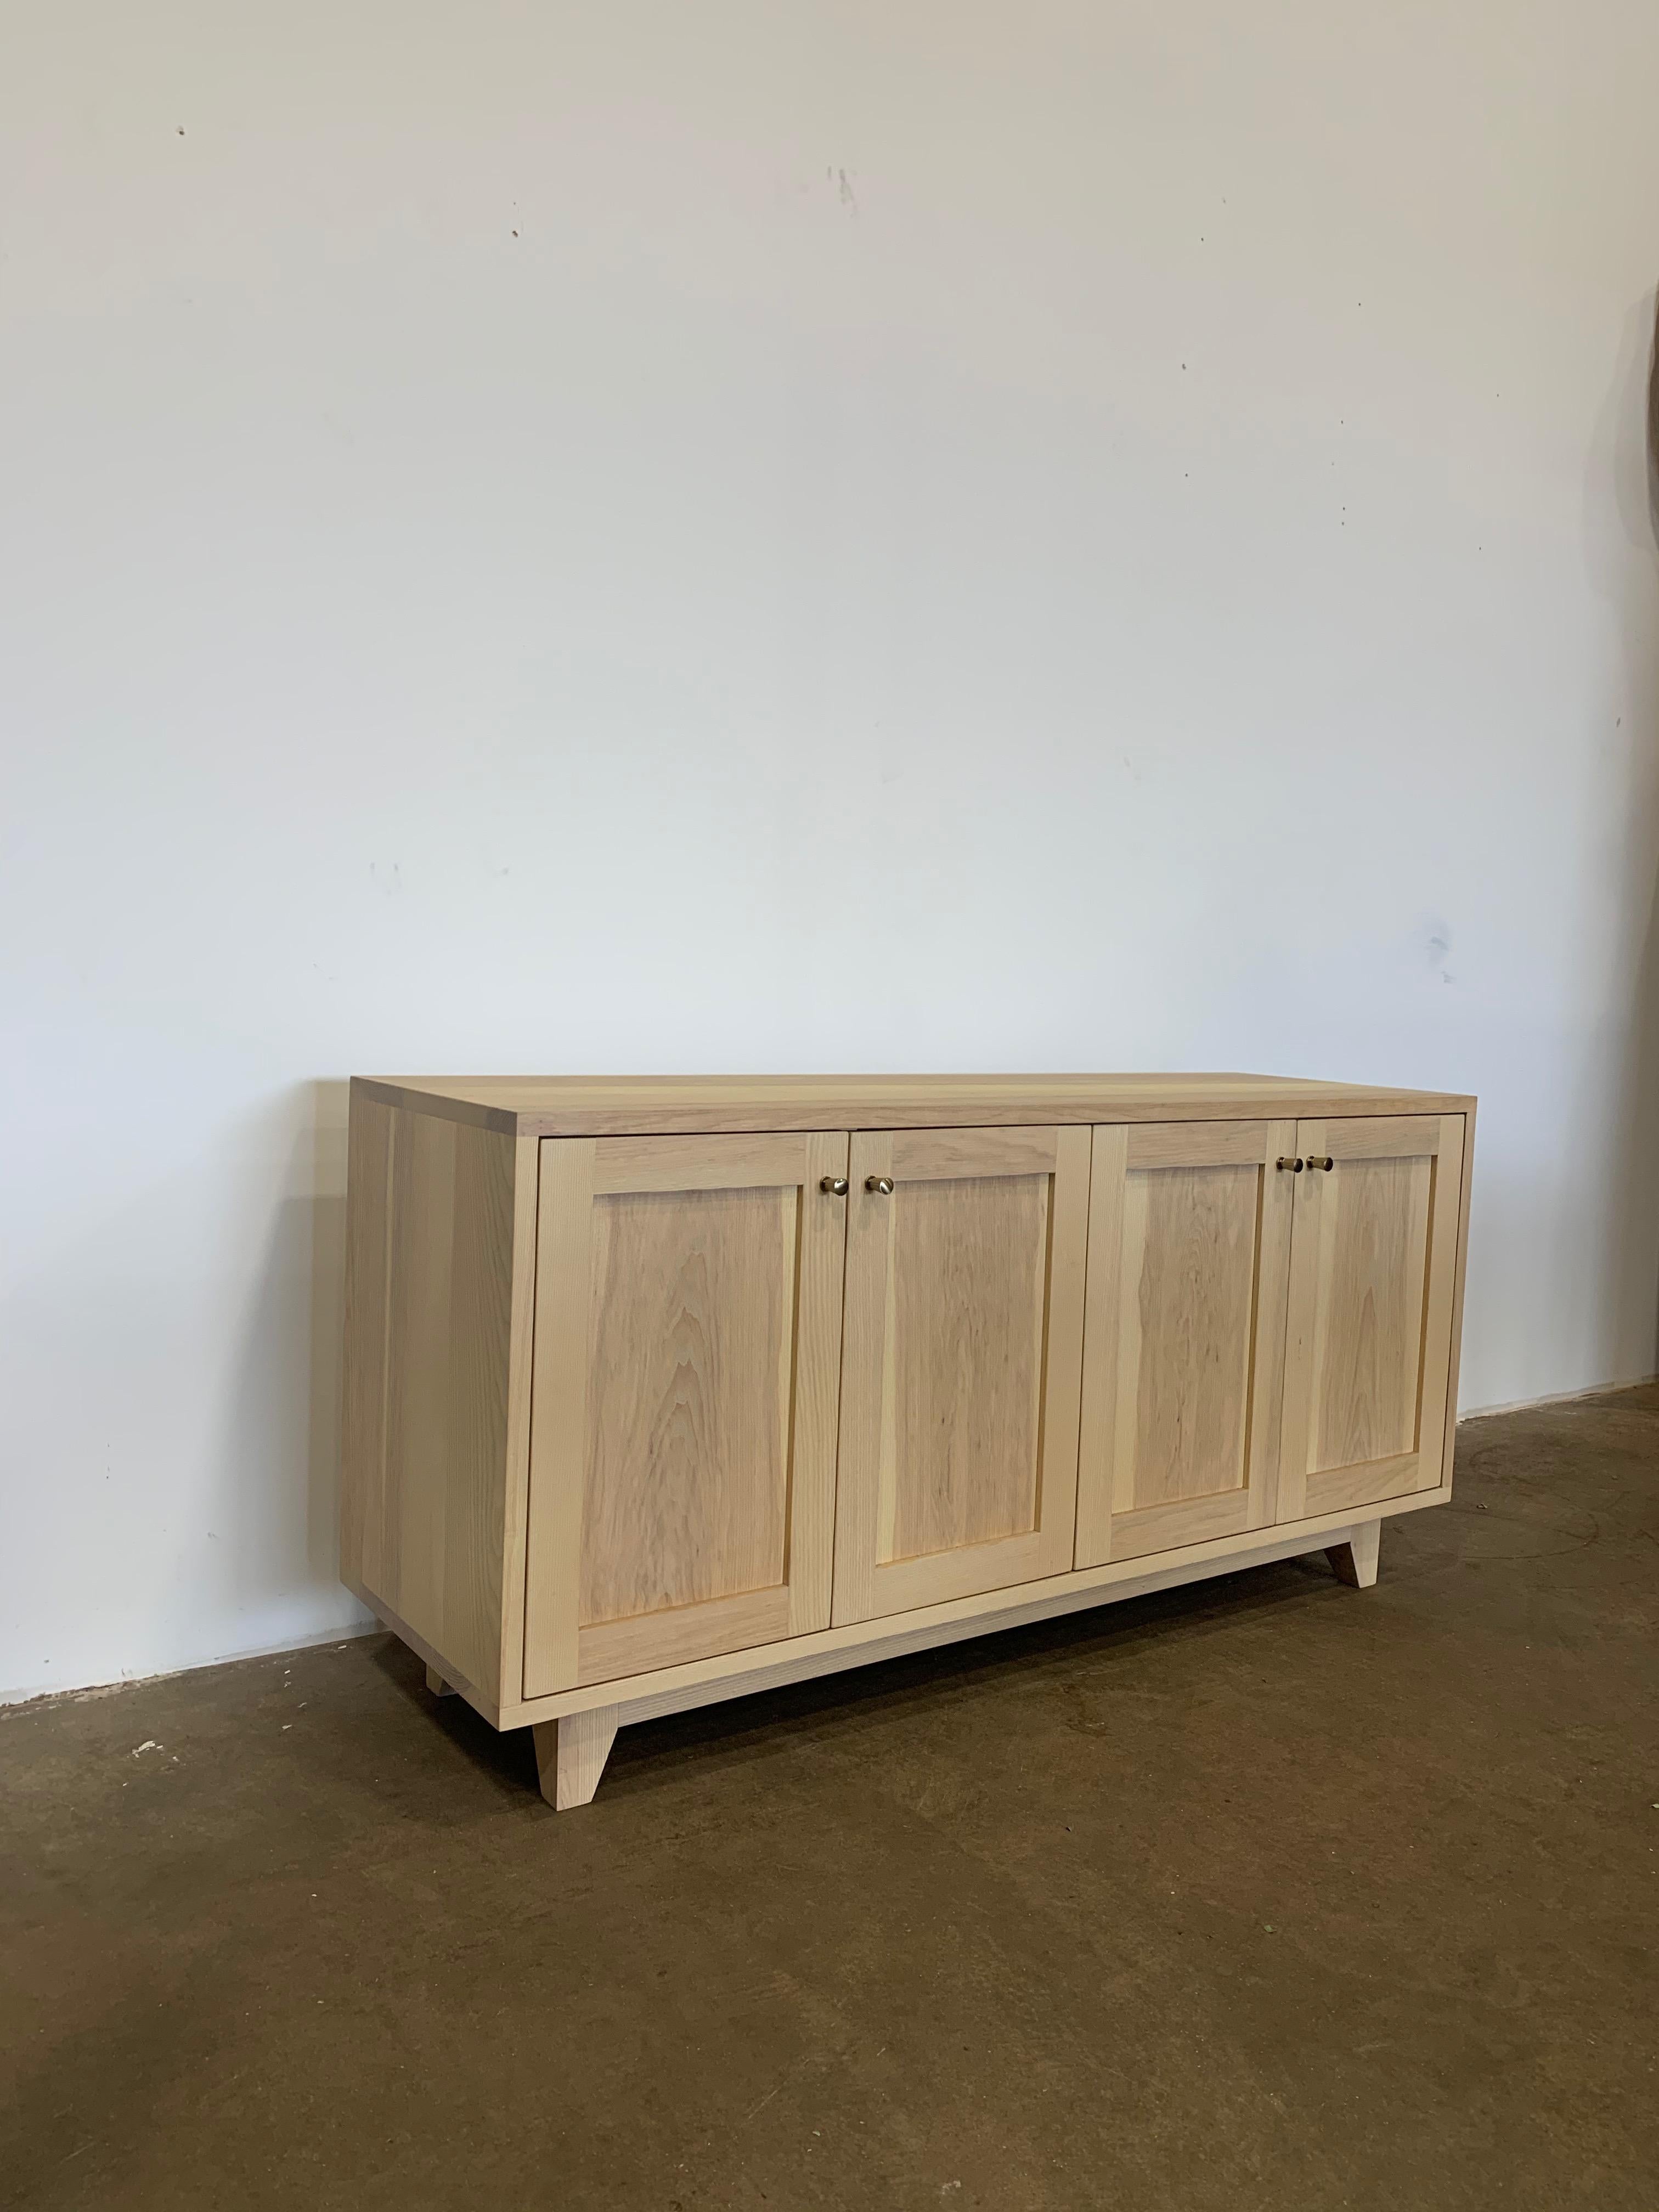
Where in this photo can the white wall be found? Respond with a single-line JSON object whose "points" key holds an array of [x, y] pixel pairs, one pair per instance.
{"points": [[631, 535]]}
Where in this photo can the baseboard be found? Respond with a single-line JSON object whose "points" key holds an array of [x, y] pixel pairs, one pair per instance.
{"points": [[1556, 1397], [312, 1641]]}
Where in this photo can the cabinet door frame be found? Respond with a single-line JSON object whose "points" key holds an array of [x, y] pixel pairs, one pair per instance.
{"points": [[867, 1588], [1110, 1525], [1439, 1137], [560, 1653]]}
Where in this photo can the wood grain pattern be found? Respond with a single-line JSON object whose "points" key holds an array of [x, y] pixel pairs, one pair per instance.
{"points": [[962, 1365], [900, 1585], [1367, 1482], [432, 1399], [1142, 1530], [498, 1712], [692, 1398], [1354, 1562], [558, 1428], [1367, 1325], [683, 1487], [571, 1753], [820, 1320], [965, 1336], [926, 1155], [1398, 1137], [1373, 1281], [1194, 1145], [526, 1198], [632, 1646], [1443, 1260], [1448, 1423], [1183, 1347], [1187, 1308], [636, 1105], [367, 1308], [635, 1164]]}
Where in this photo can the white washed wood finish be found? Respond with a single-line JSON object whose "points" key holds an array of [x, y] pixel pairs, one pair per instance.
{"points": [[640, 1415]]}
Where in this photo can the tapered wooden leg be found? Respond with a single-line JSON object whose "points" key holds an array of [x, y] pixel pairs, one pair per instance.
{"points": [[436, 1684], [1355, 1562], [570, 1755]]}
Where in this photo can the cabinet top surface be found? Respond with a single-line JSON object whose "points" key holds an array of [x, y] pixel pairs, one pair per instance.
{"points": [[600, 1105]]}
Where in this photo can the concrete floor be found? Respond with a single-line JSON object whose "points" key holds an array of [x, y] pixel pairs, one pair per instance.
{"points": [[1270, 1894]]}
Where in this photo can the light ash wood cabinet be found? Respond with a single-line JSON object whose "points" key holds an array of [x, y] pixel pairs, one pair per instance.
{"points": [[658, 1391]]}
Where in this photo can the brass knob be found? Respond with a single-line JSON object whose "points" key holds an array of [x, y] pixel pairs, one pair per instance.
{"points": [[1327, 1163], [882, 1185], [1295, 1166], [834, 1186]]}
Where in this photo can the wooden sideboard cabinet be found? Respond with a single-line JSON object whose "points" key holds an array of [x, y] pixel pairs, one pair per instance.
{"points": [[659, 1391]]}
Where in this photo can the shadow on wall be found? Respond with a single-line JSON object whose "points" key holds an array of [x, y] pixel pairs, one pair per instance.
{"points": [[274, 1501]]}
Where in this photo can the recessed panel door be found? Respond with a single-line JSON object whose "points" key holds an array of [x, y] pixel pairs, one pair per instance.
{"points": [[960, 1364], [1373, 1273], [1189, 1240], [686, 1386]]}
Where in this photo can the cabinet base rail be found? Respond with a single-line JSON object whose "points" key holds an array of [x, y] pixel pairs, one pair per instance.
{"points": [[572, 1745]]}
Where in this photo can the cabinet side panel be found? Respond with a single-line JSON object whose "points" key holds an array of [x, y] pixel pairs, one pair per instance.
{"points": [[418, 1369], [428, 1413], [363, 1443]]}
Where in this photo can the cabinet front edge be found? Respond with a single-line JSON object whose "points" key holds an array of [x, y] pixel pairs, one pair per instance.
{"points": [[634, 1120], [639, 1116]]}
